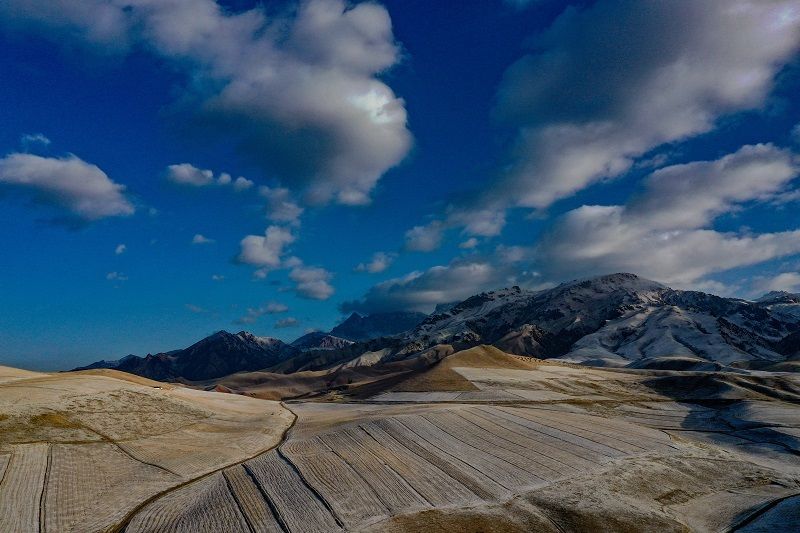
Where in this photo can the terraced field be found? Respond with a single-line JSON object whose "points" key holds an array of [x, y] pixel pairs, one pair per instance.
{"points": [[80, 452], [628, 462], [569, 449]]}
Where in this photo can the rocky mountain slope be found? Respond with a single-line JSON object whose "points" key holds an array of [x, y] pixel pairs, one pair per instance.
{"points": [[362, 328], [217, 355], [617, 320], [319, 340]]}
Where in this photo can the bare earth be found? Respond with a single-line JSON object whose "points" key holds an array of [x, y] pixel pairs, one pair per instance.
{"points": [[482, 441], [81, 451]]}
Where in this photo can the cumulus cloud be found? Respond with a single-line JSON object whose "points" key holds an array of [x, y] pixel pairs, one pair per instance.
{"points": [[217, 277], [68, 182], [665, 232], [266, 250], [242, 184], [425, 238], [280, 206], [300, 92], [380, 261], [201, 239], [254, 313], [188, 174], [611, 82], [120, 249], [312, 282], [288, 322]]}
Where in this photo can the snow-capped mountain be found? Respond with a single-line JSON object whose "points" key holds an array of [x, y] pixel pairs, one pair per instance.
{"points": [[319, 340], [785, 304], [619, 320]]}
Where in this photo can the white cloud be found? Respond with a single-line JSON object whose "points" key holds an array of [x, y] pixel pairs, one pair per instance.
{"points": [[201, 239], [469, 244], [786, 281], [217, 277], [479, 222], [288, 322], [69, 182], [380, 261], [242, 184], [267, 250], [116, 276], [120, 249], [195, 309], [663, 233], [276, 307], [254, 313], [610, 82], [188, 174], [280, 206], [299, 91], [312, 282], [33, 140], [693, 194], [425, 238], [423, 290]]}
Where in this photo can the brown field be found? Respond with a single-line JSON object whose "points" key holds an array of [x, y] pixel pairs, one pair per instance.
{"points": [[81, 451], [526, 446]]}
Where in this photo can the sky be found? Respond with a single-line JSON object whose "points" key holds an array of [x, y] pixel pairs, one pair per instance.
{"points": [[170, 168]]}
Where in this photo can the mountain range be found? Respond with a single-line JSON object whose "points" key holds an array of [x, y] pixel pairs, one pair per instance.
{"points": [[618, 320], [224, 353]]}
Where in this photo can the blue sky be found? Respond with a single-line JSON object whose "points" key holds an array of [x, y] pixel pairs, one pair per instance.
{"points": [[393, 155]]}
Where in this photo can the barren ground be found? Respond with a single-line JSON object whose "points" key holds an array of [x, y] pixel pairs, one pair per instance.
{"points": [[482, 441]]}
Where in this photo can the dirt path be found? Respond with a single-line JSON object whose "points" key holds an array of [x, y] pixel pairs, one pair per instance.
{"points": [[120, 527]]}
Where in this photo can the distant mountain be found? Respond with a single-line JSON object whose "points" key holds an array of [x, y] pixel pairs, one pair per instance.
{"points": [[778, 297], [108, 364], [784, 304], [215, 356], [319, 340], [362, 328]]}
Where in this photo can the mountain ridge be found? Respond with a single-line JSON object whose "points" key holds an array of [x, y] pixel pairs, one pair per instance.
{"points": [[612, 320]]}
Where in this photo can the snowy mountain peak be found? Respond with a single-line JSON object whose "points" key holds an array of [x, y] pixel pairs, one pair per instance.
{"points": [[779, 297], [265, 342]]}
